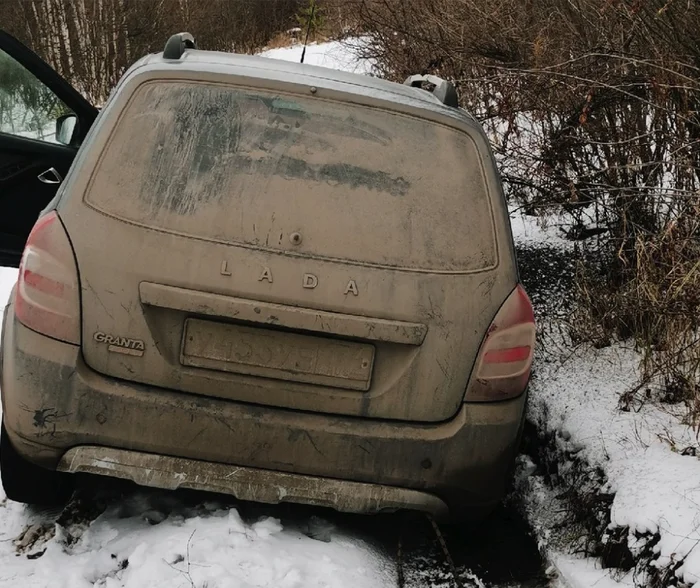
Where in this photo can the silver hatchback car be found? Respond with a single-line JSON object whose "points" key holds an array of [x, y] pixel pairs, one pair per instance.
{"points": [[272, 280]]}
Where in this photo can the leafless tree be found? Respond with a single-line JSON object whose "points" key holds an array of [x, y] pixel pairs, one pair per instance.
{"points": [[92, 42]]}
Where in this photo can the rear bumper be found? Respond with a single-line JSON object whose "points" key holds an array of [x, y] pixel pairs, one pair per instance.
{"points": [[53, 402], [252, 484]]}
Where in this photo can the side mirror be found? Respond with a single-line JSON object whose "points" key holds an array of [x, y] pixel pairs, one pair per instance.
{"points": [[66, 125]]}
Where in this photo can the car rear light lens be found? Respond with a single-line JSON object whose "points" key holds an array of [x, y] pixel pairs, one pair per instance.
{"points": [[505, 359], [47, 299]]}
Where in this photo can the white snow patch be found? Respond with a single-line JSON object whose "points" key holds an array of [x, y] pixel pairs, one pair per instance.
{"points": [[341, 55], [529, 231], [8, 278], [657, 490], [216, 549], [575, 572]]}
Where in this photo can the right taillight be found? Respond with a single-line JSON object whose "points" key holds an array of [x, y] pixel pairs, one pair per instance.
{"points": [[505, 358], [47, 299]]}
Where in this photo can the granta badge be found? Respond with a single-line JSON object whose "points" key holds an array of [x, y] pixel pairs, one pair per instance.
{"points": [[122, 345]]}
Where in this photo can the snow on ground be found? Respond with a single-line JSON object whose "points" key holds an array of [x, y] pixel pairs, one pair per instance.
{"points": [[528, 231], [575, 572], [334, 54], [656, 488], [8, 277], [206, 546]]}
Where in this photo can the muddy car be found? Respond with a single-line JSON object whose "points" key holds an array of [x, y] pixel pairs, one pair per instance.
{"points": [[265, 279]]}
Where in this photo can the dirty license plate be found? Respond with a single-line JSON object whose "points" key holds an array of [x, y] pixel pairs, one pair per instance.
{"points": [[276, 354]]}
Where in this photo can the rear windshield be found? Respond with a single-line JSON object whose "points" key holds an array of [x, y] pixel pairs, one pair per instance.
{"points": [[250, 168]]}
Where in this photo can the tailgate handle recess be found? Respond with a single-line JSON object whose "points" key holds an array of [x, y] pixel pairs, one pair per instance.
{"points": [[292, 317]]}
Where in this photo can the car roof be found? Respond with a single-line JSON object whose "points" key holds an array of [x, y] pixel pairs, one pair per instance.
{"points": [[264, 67]]}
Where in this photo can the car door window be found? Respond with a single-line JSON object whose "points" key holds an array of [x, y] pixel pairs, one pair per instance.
{"points": [[27, 107]]}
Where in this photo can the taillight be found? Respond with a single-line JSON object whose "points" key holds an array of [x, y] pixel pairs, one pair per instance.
{"points": [[505, 359], [47, 299]]}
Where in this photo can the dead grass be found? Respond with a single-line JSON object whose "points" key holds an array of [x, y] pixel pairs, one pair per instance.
{"points": [[650, 292], [282, 40], [287, 39]]}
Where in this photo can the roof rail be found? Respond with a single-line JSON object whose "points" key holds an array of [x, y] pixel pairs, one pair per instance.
{"points": [[177, 44], [444, 91]]}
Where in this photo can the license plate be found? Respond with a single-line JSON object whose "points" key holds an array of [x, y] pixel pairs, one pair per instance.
{"points": [[275, 354]]}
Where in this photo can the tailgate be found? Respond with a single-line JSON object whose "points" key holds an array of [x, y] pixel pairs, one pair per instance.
{"points": [[288, 251]]}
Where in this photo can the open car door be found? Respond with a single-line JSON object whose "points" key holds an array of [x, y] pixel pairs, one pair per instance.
{"points": [[43, 121]]}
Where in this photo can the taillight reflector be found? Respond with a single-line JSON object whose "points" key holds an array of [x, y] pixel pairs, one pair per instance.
{"points": [[509, 355], [47, 299]]}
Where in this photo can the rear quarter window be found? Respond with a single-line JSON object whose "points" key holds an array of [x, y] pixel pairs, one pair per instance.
{"points": [[248, 168]]}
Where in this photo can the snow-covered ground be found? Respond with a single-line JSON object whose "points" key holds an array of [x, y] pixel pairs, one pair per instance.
{"points": [[335, 55], [656, 489], [529, 232], [8, 277], [575, 398], [152, 539]]}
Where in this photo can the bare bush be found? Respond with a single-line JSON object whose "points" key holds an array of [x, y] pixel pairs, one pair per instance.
{"points": [[592, 110]]}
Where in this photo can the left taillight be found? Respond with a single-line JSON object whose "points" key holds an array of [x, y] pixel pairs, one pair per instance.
{"points": [[47, 299]]}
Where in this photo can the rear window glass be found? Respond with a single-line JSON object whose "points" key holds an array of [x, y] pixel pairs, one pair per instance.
{"points": [[250, 168]]}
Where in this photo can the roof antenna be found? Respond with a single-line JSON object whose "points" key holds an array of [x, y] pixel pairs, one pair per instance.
{"points": [[308, 29]]}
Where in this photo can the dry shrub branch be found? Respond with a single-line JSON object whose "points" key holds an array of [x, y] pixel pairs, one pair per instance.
{"points": [[592, 107]]}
